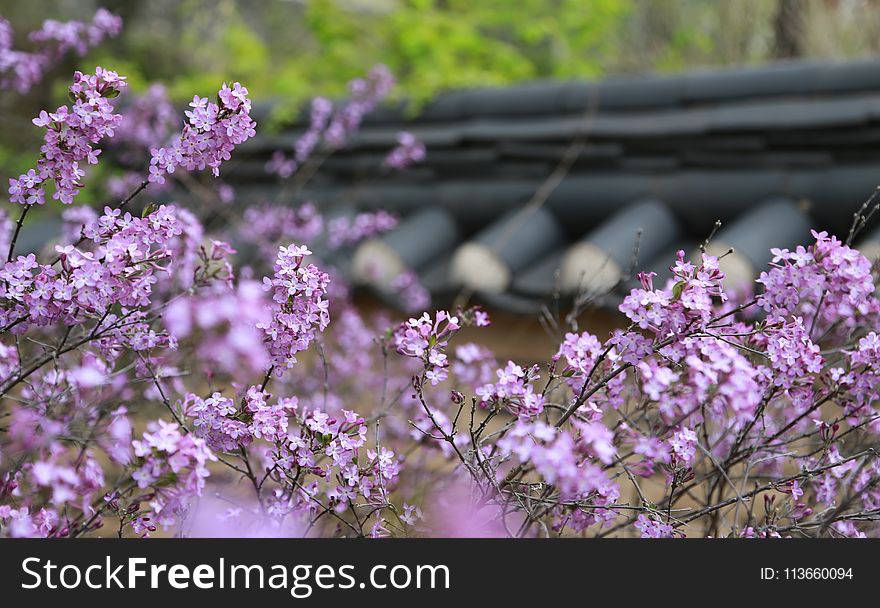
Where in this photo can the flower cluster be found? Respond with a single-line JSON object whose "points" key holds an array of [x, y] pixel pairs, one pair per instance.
{"points": [[299, 310], [174, 464], [325, 452], [409, 151], [334, 129], [122, 269], [792, 354], [21, 70], [76, 36], [683, 446], [514, 390], [688, 301], [413, 296], [349, 230], [864, 387], [280, 165], [581, 353], [322, 108], [332, 451], [69, 485], [718, 377], [426, 339], [829, 281], [283, 166], [226, 427], [211, 134], [69, 139], [267, 225], [267, 422], [651, 527], [366, 93], [214, 420], [226, 322], [568, 462]]}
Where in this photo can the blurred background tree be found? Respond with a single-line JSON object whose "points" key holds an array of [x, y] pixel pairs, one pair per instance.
{"points": [[293, 49], [296, 48]]}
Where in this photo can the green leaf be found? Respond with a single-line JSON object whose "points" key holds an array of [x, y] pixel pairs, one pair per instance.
{"points": [[148, 209], [677, 289]]}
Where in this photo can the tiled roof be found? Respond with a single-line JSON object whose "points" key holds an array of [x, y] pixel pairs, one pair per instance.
{"points": [[771, 152]]}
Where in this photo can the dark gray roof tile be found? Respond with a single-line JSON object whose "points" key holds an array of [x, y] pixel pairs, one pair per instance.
{"points": [[540, 278], [769, 150]]}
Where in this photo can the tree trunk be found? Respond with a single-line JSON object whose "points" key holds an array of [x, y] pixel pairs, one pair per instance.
{"points": [[788, 28]]}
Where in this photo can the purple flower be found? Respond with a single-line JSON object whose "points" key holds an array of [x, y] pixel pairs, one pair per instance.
{"points": [[299, 311], [211, 134], [828, 281], [514, 391], [167, 455], [425, 339], [408, 152], [653, 528], [70, 136], [792, 354], [346, 231], [22, 70]]}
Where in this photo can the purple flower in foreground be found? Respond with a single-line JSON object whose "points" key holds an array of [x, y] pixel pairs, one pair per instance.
{"points": [[653, 528], [300, 310]]}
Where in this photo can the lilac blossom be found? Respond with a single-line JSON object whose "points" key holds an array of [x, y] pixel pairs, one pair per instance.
{"points": [[122, 269], [409, 151], [268, 225], [828, 281], [227, 324], [71, 133], [299, 310], [413, 295], [365, 93], [565, 462], [165, 453], [347, 230], [330, 129], [651, 527], [514, 389], [211, 134], [22, 70], [426, 339]]}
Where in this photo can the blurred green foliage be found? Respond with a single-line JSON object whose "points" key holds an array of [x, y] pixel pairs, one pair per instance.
{"points": [[432, 46], [292, 50]]}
